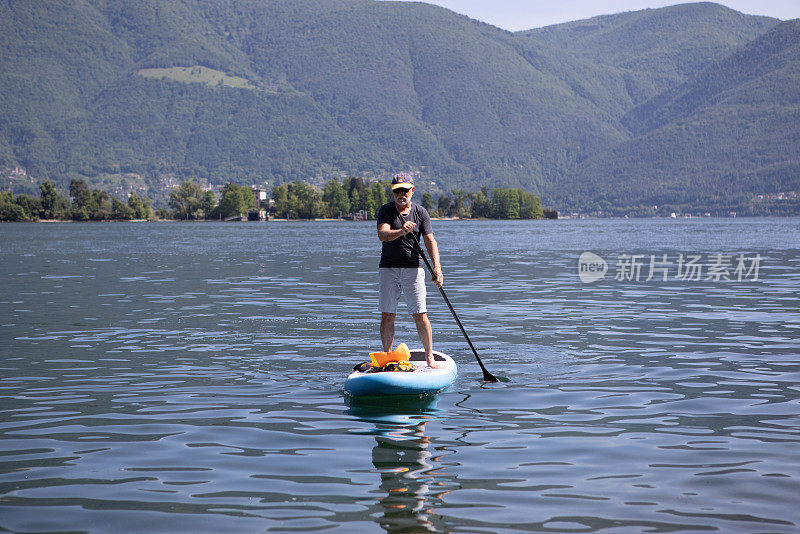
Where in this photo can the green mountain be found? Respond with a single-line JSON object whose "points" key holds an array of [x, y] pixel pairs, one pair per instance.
{"points": [[292, 89], [636, 55], [728, 133], [761, 74]]}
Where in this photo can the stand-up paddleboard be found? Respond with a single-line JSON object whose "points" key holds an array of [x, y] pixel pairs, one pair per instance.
{"points": [[422, 380]]}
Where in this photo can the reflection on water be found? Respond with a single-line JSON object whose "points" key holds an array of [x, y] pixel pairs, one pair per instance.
{"points": [[413, 477], [187, 377]]}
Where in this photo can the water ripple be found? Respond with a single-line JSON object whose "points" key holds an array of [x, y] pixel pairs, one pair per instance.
{"points": [[184, 377]]}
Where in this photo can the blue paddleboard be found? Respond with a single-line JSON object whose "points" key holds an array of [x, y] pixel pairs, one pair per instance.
{"points": [[421, 381]]}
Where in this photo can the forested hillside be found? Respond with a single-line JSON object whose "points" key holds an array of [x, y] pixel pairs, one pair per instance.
{"points": [[726, 135], [146, 93], [643, 52]]}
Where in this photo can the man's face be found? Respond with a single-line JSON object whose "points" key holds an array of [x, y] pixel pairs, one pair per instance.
{"points": [[402, 196]]}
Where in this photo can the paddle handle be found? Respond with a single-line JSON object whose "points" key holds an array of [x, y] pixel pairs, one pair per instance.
{"points": [[487, 376]]}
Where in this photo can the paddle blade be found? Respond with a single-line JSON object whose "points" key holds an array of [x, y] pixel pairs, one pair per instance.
{"points": [[489, 377]]}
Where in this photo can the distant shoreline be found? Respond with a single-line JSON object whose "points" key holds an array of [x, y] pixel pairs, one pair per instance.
{"points": [[47, 221], [326, 220]]}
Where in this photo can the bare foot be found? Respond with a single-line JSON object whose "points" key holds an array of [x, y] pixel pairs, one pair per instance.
{"points": [[436, 365]]}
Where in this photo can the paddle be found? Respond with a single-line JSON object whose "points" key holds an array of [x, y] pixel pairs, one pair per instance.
{"points": [[487, 376]]}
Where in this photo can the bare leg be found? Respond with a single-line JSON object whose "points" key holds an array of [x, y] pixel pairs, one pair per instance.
{"points": [[387, 330], [426, 336]]}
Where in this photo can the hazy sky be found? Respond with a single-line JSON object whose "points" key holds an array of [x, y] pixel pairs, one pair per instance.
{"points": [[517, 15]]}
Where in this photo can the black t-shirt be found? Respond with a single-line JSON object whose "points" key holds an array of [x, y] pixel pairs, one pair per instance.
{"points": [[401, 252]]}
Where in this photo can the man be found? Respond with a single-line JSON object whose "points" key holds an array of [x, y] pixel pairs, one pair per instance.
{"points": [[400, 270]]}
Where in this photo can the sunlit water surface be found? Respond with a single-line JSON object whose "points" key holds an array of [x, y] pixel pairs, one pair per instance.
{"points": [[188, 378]]}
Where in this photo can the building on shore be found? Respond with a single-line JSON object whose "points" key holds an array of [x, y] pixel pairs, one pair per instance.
{"points": [[263, 207]]}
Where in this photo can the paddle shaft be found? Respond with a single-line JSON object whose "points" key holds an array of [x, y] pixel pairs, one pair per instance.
{"points": [[487, 376]]}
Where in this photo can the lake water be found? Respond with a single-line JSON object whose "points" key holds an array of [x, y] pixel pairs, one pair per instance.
{"points": [[188, 378]]}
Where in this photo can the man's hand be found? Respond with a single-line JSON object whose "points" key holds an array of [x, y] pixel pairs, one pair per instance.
{"points": [[438, 278], [385, 232]]}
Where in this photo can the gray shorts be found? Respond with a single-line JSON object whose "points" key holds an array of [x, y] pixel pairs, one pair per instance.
{"points": [[396, 280]]}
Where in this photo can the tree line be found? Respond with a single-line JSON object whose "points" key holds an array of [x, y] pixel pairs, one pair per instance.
{"points": [[189, 201], [82, 204], [304, 201], [301, 200], [295, 200]]}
